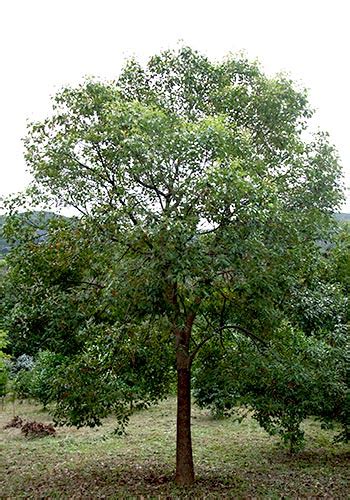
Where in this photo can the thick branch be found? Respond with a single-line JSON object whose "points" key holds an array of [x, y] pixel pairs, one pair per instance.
{"points": [[153, 187], [219, 330], [90, 283], [244, 330]]}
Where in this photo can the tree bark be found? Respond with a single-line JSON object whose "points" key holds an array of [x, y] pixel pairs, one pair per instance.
{"points": [[184, 458]]}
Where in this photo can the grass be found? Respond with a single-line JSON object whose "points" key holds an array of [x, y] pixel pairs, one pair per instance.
{"points": [[232, 460]]}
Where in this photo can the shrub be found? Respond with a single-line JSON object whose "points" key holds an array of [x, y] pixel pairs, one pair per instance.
{"points": [[36, 379], [3, 379], [21, 372], [293, 378], [43, 376], [22, 384]]}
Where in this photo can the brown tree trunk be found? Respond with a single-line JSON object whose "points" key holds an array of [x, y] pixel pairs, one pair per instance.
{"points": [[184, 459]]}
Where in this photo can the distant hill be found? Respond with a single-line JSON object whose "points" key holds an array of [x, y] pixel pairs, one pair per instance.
{"points": [[343, 217], [4, 246]]}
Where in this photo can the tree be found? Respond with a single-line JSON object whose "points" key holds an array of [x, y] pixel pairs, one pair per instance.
{"points": [[202, 198]]}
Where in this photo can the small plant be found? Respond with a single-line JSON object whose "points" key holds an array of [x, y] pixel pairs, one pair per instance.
{"points": [[3, 379], [22, 384]]}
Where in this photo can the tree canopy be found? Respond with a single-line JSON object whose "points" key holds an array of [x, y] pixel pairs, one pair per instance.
{"points": [[201, 203]]}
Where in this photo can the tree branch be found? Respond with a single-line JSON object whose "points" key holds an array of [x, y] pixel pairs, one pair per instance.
{"points": [[219, 330], [246, 332]]}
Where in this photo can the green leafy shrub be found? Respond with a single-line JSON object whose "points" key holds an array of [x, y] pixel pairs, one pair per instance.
{"points": [[21, 375], [35, 379], [293, 378], [43, 376], [3, 379], [22, 384]]}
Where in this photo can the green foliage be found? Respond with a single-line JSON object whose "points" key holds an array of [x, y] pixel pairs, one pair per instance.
{"points": [[22, 384], [339, 260], [35, 379], [201, 208], [3, 367], [49, 289], [3, 380], [293, 378], [107, 377], [44, 376], [4, 247], [112, 375], [320, 307], [21, 374]]}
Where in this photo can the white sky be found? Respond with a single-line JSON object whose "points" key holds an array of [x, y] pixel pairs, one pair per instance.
{"points": [[49, 43]]}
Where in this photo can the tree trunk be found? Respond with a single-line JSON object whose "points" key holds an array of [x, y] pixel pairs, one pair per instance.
{"points": [[184, 459]]}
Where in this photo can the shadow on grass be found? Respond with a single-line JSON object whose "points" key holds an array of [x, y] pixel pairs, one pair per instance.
{"points": [[232, 461], [287, 476]]}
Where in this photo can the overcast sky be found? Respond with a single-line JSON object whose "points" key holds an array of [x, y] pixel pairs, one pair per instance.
{"points": [[49, 43]]}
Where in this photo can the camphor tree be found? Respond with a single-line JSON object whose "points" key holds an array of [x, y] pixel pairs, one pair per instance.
{"points": [[203, 201]]}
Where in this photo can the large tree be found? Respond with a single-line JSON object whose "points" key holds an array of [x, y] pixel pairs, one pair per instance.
{"points": [[202, 192]]}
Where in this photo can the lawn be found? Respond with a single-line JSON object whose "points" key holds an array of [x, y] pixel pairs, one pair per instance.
{"points": [[233, 460]]}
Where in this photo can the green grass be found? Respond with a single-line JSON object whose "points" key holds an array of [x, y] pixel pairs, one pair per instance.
{"points": [[232, 460]]}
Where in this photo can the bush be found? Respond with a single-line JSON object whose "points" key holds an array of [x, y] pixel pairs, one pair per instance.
{"points": [[3, 379], [20, 370], [293, 378], [43, 376], [35, 379], [22, 384]]}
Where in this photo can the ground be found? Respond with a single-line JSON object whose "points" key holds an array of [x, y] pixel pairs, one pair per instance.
{"points": [[232, 460]]}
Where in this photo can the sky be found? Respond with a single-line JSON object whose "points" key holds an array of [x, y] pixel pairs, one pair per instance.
{"points": [[46, 44]]}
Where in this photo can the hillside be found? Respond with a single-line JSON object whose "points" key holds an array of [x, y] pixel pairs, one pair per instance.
{"points": [[4, 248], [343, 217], [42, 216]]}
